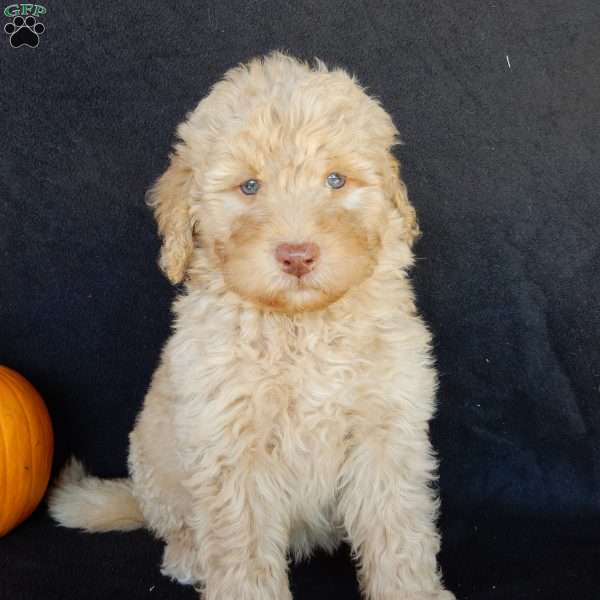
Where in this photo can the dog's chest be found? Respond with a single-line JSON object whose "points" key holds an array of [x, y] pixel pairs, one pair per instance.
{"points": [[282, 389], [285, 391], [305, 386], [302, 389]]}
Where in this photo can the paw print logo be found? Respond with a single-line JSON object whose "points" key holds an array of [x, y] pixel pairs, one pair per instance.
{"points": [[24, 31]]}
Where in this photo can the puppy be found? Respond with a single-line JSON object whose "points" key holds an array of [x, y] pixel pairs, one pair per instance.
{"points": [[291, 405]]}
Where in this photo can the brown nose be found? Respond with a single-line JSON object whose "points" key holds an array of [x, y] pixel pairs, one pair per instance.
{"points": [[297, 259]]}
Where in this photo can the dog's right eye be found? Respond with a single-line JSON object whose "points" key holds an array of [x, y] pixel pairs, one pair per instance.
{"points": [[336, 180], [250, 187]]}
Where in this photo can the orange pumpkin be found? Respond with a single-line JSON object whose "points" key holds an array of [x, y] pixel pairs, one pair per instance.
{"points": [[26, 448]]}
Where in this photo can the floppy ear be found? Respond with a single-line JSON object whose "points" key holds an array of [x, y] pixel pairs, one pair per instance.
{"points": [[170, 200], [396, 190]]}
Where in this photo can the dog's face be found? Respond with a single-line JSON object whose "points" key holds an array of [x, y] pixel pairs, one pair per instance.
{"points": [[285, 182]]}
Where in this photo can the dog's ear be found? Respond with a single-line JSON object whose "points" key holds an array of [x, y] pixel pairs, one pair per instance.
{"points": [[170, 199], [396, 190]]}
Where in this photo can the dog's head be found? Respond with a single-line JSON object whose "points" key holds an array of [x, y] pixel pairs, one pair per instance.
{"points": [[283, 185]]}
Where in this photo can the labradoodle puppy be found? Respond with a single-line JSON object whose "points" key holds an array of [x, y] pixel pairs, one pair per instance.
{"points": [[291, 405]]}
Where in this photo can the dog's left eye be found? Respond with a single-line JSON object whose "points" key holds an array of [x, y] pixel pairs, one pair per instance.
{"points": [[336, 180], [250, 187]]}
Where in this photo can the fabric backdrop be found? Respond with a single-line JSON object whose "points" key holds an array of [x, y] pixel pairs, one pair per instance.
{"points": [[498, 105]]}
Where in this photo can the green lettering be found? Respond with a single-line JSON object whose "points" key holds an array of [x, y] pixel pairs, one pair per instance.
{"points": [[39, 10], [26, 8], [12, 10]]}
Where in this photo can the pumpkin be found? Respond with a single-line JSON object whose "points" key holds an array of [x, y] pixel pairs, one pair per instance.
{"points": [[26, 448]]}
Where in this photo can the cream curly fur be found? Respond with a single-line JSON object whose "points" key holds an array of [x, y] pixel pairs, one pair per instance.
{"points": [[284, 415]]}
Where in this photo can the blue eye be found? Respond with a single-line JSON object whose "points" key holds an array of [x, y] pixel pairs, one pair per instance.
{"points": [[335, 181], [250, 187]]}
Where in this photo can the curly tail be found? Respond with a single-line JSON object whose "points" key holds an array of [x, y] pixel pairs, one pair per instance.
{"points": [[85, 502]]}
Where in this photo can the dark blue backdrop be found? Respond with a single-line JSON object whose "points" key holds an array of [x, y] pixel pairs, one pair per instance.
{"points": [[498, 104]]}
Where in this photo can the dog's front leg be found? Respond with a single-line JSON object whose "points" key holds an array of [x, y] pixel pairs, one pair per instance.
{"points": [[243, 533], [389, 511]]}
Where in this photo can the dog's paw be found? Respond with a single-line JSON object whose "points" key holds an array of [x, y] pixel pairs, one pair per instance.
{"points": [[404, 595], [179, 559], [24, 31], [441, 595], [176, 573]]}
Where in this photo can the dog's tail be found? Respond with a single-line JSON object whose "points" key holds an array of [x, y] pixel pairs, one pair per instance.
{"points": [[85, 502]]}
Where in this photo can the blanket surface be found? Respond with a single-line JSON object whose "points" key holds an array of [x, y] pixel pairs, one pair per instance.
{"points": [[498, 105]]}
